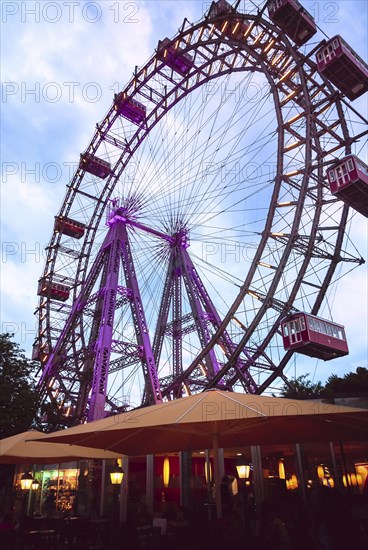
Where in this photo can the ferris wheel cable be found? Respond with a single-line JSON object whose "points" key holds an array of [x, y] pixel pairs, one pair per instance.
{"points": [[218, 271], [234, 204]]}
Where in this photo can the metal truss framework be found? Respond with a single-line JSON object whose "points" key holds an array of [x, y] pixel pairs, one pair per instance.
{"points": [[311, 133]]}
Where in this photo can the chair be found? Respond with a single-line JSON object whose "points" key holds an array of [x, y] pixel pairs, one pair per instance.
{"points": [[161, 524], [40, 540]]}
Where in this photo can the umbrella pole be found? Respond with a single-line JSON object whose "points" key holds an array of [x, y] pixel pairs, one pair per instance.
{"points": [[216, 467]]}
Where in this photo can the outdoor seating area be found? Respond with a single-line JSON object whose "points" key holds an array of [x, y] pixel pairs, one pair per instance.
{"points": [[289, 525], [280, 482]]}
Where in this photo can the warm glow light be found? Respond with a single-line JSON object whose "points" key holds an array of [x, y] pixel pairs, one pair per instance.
{"points": [[362, 473], [359, 479], [293, 119], [203, 371], [320, 472], [292, 483], [166, 471], [277, 58], [270, 44], [35, 485], [116, 476], [289, 96], [208, 471], [243, 471], [293, 173], [257, 38], [26, 481], [287, 203], [285, 75], [292, 145], [281, 469]]}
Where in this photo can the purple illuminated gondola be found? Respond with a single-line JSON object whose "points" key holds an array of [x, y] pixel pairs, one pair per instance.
{"points": [[94, 165], [130, 108], [173, 56]]}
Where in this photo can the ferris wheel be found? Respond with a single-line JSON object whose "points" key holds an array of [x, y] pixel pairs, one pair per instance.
{"points": [[198, 219]]}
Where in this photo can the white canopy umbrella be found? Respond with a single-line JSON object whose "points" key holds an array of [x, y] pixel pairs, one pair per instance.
{"points": [[25, 448]]}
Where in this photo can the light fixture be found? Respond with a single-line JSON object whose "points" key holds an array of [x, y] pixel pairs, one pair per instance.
{"points": [[282, 469], [243, 469], [166, 471], [292, 483], [320, 472], [26, 481], [208, 471], [35, 485], [116, 475]]}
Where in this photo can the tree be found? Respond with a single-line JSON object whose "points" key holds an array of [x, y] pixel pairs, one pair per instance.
{"points": [[302, 388], [351, 383], [18, 398]]}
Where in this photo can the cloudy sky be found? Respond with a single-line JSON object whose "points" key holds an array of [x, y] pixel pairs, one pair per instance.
{"points": [[62, 61]]}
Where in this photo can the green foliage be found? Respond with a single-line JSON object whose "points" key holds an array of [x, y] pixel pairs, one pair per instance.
{"points": [[351, 383], [17, 388], [302, 388]]}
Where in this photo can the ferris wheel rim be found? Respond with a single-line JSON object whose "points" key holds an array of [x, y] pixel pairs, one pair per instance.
{"points": [[98, 138]]}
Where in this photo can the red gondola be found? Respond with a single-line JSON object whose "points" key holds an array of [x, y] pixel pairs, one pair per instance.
{"points": [[343, 67], [235, 27], [174, 57], [129, 108], [55, 291], [94, 165], [69, 227], [348, 180], [313, 336], [293, 19]]}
